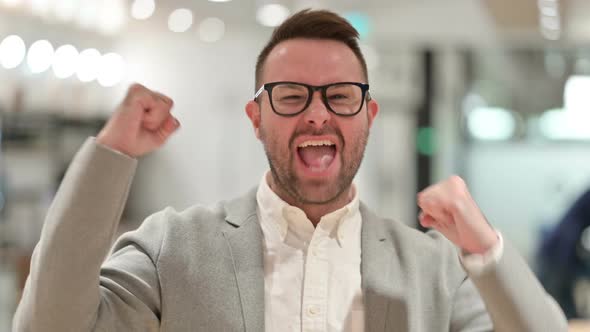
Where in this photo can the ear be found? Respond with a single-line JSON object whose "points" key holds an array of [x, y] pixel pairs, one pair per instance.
{"points": [[253, 112], [372, 110]]}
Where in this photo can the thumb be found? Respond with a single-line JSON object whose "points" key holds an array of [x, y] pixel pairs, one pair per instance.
{"points": [[170, 125]]}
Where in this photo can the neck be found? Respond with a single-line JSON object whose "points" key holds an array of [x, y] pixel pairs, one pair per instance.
{"points": [[313, 211]]}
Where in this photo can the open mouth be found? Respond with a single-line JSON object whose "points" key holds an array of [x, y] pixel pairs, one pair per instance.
{"points": [[317, 155]]}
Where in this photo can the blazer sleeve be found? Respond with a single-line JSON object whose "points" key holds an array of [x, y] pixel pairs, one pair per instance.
{"points": [[67, 290], [513, 298]]}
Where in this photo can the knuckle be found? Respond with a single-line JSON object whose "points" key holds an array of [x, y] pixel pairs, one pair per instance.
{"points": [[457, 185], [136, 88]]}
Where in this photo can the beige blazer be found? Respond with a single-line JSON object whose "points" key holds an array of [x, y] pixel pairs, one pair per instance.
{"points": [[202, 269]]}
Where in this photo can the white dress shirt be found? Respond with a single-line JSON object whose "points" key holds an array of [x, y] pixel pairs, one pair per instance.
{"points": [[312, 276]]}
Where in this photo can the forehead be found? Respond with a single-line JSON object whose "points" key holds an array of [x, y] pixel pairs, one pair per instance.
{"points": [[312, 61]]}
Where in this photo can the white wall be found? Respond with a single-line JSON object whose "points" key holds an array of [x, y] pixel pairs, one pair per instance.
{"points": [[523, 187]]}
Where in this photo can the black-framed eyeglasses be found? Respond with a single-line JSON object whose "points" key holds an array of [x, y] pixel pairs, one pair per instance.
{"points": [[292, 98]]}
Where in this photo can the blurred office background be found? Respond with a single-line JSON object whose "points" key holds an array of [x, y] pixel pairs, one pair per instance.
{"points": [[495, 91]]}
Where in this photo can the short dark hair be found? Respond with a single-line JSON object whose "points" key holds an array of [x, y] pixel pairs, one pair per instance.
{"points": [[313, 24]]}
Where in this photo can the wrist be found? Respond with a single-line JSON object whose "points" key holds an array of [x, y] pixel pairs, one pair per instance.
{"points": [[484, 242], [101, 140]]}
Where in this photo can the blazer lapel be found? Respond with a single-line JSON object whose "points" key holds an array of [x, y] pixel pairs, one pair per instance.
{"points": [[244, 238], [385, 306]]}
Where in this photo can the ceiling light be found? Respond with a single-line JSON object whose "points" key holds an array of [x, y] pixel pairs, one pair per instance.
{"points": [[65, 61], [40, 56], [89, 62], [563, 124], [489, 123], [211, 29], [12, 51], [180, 20], [272, 15], [143, 9]]}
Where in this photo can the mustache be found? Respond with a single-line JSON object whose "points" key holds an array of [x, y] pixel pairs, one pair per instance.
{"points": [[318, 132]]}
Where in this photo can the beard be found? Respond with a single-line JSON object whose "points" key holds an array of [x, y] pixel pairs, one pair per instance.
{"points": [[306, 191]]}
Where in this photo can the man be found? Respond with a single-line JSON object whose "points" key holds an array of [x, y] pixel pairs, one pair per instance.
{"points": [[300, 252]]}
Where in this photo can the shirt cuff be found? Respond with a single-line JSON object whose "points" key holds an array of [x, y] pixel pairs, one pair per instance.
{"points": [[478, 264]]}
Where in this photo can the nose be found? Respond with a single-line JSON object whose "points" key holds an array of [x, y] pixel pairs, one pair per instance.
{"points": [[317, 114]]}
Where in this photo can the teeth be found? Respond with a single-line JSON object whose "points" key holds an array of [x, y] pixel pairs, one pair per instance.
{"points": [[315, 143]]}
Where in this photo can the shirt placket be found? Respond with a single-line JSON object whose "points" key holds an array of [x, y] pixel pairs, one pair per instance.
{"points": [[315, 288]]}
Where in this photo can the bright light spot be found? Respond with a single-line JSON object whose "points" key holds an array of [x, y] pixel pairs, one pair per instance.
{"points": [[65, 9], [180, 20], [272, 15], [371, 56], [112, 69], [88, 65], [219, 0], [563, 124], [12, 51], [143, 9], [65, 61], [40, 56], [211, 29], [360, 22], [489, 123], [576, 94], [112, 16], [12, 3]]}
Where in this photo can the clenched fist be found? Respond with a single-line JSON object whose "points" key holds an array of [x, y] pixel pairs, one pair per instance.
{"points": [[449, 208], [141, 124]]}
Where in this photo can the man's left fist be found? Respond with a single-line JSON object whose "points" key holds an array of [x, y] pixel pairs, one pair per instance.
{"points": [[449, 208]]}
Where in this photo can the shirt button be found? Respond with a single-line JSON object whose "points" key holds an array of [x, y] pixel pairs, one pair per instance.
{"points": [[313, 310]]}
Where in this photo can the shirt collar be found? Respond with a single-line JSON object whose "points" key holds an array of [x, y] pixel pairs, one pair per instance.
{"points": [[280, 215]]}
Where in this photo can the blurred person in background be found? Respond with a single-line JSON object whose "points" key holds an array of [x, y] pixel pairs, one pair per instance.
{"points": [[564, 260], [298, 253]]}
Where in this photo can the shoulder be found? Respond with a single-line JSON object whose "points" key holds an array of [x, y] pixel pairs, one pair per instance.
{"points": [[199, 220]]}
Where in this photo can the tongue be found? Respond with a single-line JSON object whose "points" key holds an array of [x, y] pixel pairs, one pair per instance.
{"points": [[318, 158]]}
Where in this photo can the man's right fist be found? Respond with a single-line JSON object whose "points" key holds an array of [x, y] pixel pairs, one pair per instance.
{"points": [[141, 124]]}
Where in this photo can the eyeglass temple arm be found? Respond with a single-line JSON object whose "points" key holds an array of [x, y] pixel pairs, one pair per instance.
{"points": [[259, 92]]}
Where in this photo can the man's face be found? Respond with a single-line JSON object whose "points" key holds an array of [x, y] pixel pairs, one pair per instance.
{"points": [[314, 155]]}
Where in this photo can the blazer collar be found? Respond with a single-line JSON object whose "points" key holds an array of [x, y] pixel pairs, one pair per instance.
{"points": [[244, 239], [382, 276]]}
